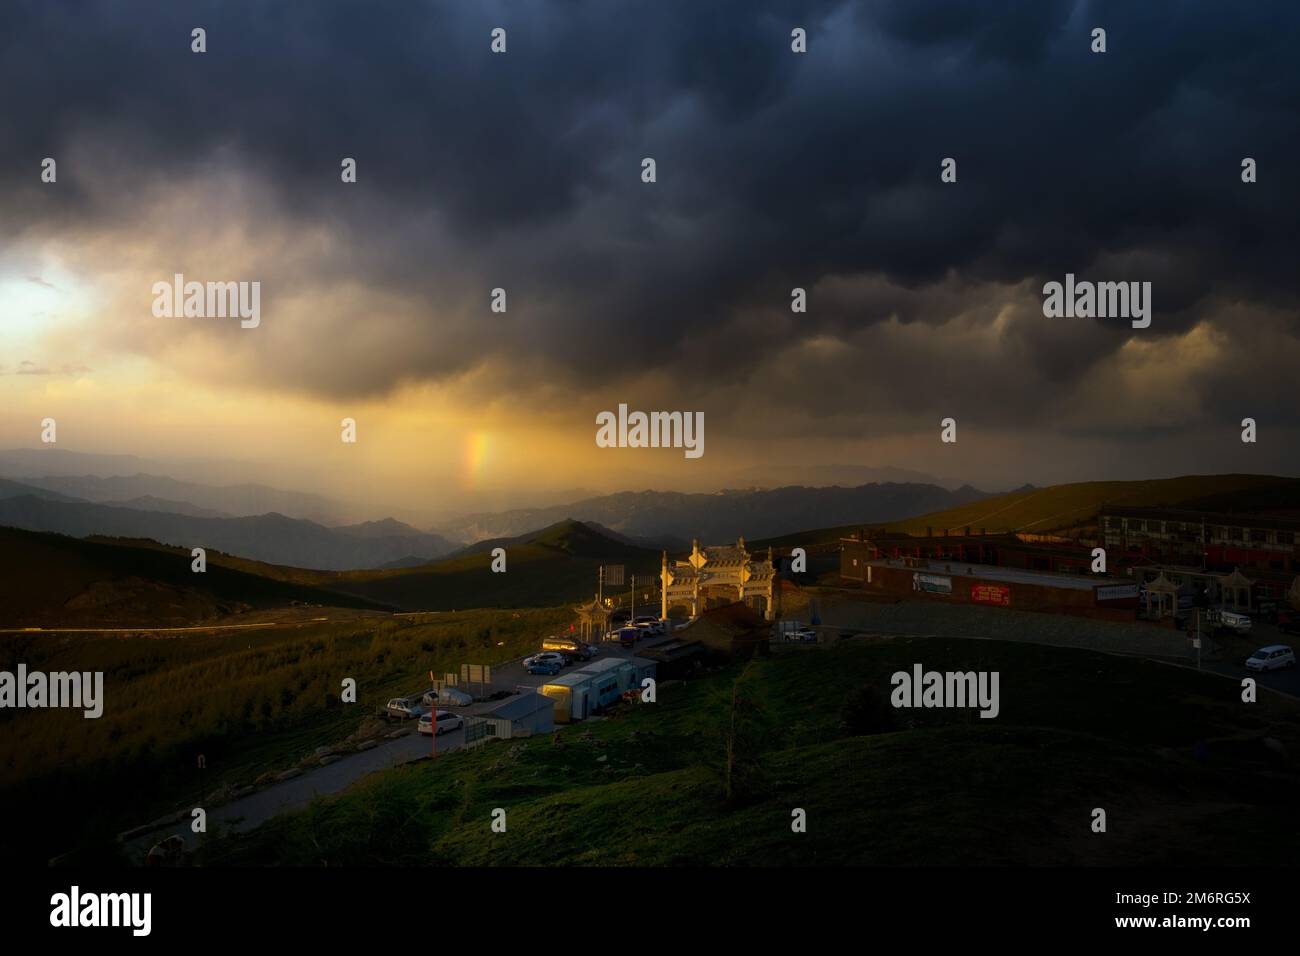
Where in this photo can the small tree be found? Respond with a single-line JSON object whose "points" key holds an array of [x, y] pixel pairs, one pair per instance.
{"points": [[744, 732], [868, 711]]}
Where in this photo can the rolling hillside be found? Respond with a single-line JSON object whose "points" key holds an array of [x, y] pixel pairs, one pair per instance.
{"points": [[1076, 506], [49, 580], [553, 566], [880, 786]]}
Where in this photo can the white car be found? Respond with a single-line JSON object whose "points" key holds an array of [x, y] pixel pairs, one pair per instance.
{"points": [[447, 722], [651, 625], [1271, 658]]}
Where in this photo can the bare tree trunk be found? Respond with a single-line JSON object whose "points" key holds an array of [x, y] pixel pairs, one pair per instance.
{"points": [[731, 740]]}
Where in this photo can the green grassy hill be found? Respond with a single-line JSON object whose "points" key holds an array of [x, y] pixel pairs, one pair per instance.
{"points": [[1077, 730], [49, 580], [1077, 505], [251, 701], [53, 580], [559, 563]]}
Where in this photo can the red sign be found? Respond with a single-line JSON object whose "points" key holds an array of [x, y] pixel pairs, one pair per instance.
{"points": [[991, 594]]}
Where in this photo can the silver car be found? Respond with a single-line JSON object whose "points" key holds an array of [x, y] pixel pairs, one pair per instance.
{"points": [[404, 708]]}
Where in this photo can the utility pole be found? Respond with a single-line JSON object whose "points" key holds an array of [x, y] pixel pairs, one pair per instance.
{"points": [[433, 720], [600, 586]]}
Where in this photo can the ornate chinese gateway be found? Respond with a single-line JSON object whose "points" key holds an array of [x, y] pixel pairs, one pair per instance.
{"points": [[727, 571]]}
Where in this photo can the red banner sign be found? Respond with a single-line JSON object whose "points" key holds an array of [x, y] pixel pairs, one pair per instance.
{"points": [[991, 594]]}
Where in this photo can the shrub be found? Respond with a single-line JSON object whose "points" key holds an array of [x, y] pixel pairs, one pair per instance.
{"points": [[867, 712]]}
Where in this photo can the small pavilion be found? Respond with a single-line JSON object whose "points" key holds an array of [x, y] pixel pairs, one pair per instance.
{"points": [[593, 620]]}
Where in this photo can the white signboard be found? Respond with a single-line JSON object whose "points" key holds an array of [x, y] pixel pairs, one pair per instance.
{"points": [[934, 583]]}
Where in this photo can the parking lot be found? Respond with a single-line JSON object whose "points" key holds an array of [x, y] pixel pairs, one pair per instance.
{"points": [[513, 676], [1222, 653]]}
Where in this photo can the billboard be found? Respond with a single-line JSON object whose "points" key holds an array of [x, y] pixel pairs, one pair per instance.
{"points": [[1117, 592], [933, 583], [991, 594]]}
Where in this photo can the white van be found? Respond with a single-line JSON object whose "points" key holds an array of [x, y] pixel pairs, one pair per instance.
{"points": [[1235, 621], [1271, 658]]}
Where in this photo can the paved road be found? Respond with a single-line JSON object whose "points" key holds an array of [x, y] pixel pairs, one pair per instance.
{"points": [[924, 618], [933, 619], [1286, 681], [153, 630], [255, 809]]}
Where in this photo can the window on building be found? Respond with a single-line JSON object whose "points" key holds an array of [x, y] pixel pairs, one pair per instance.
{"points": [[1286, 537], [1258, 534]]}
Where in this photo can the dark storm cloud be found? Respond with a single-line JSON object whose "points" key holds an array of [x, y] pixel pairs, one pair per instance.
{"points": [[775, 170]]}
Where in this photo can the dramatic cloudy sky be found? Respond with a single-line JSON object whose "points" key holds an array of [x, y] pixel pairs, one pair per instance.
{"points": [[775, 170]]}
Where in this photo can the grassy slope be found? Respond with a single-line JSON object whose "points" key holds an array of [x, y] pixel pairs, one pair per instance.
{"points": [[557, 564], [1077, 730], [143, 584], [40, 573], [1044, 510], [250, 701]]}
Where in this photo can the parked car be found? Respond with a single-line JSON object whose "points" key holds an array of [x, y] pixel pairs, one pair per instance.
{"points": [[626, 636], [648, 623], [802, 635], [404, 708], [449, 696], [1271, 658], [447, 722], [548, 664]]}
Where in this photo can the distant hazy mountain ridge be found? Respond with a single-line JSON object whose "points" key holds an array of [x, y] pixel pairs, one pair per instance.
{"points": [[273, 538], [650, 516]]}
